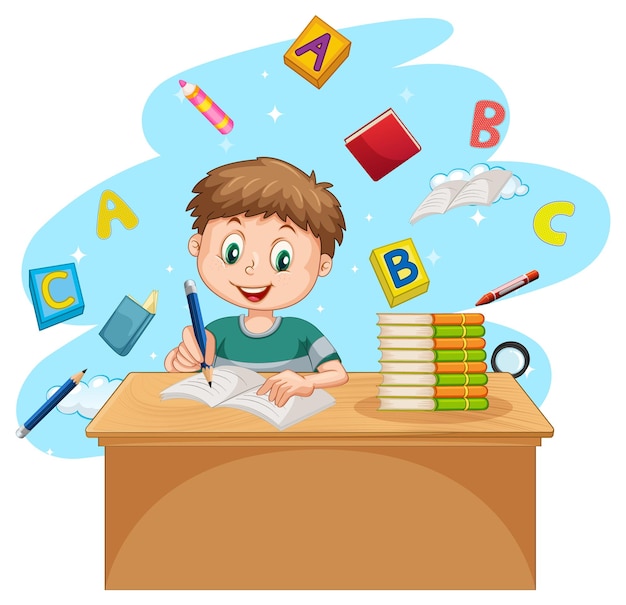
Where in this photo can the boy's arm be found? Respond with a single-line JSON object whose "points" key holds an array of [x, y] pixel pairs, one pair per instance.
{"points": [[284, 385], [187, 357]]}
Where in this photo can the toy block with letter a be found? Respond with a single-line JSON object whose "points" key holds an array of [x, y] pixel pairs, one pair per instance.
{"points": [[317, 52], [400, 271]]}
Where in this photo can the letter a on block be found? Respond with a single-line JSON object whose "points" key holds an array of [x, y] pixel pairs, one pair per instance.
{"points": [[120, 210], [319, 47], [482, 123]]}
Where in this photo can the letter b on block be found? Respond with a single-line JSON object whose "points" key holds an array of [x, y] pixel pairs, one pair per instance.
{"points": [[397, 263], [482, 123], [400, 271]]}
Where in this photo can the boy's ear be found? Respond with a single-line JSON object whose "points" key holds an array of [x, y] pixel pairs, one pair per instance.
{"points": [[326, 264], [194, 244]]}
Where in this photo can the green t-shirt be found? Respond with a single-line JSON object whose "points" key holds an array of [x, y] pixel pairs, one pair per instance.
{"points": [[290, 344]]}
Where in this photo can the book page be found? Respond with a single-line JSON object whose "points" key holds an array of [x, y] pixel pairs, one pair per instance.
{"points": [[438, 200], [483, 189], [228, 381], [235, 387], [295, 410]]}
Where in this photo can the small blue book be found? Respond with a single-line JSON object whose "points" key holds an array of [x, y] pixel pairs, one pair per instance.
{"points": [[128, 322]]}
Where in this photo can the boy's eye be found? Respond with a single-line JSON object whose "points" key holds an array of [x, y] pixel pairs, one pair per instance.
{"points": [[232, 248], [281, 256]]}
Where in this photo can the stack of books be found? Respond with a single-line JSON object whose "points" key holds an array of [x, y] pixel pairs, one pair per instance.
{"points": [[432, 361]]}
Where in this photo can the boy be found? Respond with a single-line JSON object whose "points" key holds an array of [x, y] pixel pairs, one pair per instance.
{"points": [[266, 232]]}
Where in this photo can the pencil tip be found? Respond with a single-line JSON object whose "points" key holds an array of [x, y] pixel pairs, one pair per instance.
{"points": [[84, 370], [182, 82]]}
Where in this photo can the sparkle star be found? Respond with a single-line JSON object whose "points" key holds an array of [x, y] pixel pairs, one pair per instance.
{"points": [[355, 269], [433, 257], [169, 268], [181, 95], [528, 371], [49, 452], [153, 355], [320, 308], [226, 145], [274, 114], [406, 94], [78, 255], [264, 74], [477, 217], [369, 217]]}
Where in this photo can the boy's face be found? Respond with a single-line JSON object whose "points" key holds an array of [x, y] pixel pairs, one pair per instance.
{"points": [[259, 263]]}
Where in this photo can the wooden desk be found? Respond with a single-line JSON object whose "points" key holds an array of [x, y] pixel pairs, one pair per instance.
{"points": [[352, 498]]}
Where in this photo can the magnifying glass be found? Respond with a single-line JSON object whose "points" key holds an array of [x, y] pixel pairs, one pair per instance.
{"points": [[511, 357]]}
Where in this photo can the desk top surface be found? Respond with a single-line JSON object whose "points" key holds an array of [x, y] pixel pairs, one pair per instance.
{"points": [[135, 413]]}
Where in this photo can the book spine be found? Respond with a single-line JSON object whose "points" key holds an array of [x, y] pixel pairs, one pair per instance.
{"points": [[432, 319], [431, 391], [460, 391], [428, 404], [460, 355], [431, 379], [428, 367], [458, 343], [403, 342], [461, 403], [461, 379], [460, 367], [458, 319], [463, 331]]}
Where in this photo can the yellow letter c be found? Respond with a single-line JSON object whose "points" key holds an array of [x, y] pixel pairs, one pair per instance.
{"points": [[45, 291], [543, 218]]}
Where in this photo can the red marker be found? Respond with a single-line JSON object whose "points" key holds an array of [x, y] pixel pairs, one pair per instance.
{"points": [[504, 289]]}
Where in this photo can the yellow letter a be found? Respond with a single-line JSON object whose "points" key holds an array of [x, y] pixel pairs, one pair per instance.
{"points": [[120, 211]]}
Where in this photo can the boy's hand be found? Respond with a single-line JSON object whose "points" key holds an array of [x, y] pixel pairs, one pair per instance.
{"points": [[187, 357], [284, 385]]}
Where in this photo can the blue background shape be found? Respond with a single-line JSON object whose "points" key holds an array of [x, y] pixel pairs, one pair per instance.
{"points": [[469, 258]]}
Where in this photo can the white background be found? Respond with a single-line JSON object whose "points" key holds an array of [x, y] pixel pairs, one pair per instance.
{"points": [[560, 65]]}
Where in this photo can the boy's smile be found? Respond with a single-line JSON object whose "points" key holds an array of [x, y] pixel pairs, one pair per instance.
{"points": [[259, 263], [255, 294]]}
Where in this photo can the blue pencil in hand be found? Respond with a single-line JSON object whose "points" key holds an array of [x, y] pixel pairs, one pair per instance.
{"points": [[198, 326], [50, 404]]}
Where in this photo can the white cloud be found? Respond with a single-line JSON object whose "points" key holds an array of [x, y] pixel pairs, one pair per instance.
{"points": [[513, 187], [87, 398]]}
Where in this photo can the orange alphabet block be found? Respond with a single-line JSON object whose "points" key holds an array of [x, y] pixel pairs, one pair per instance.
{"points": [[317, 52]]}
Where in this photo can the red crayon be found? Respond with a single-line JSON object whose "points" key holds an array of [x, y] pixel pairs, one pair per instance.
{"points": [[514, 284]]}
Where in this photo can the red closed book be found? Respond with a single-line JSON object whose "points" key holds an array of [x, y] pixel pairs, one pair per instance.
{"points": [[382, 144]]}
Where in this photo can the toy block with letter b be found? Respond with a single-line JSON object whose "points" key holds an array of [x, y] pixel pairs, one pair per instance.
{"points": [[56, 295], [317, 52], [400, 271]]}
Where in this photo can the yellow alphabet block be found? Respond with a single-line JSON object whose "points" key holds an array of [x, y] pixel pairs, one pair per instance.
{"points": [[317, 52], [400, 271]]}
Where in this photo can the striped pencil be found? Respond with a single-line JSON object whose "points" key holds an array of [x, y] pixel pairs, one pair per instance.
{"points": [[207, 107]]}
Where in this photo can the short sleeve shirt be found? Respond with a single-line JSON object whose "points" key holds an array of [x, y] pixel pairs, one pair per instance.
{"points": [[290, 344]]}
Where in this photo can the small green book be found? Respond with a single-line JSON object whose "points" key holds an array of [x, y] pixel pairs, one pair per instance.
{"points": [[414, 378], [408, 354], [432, 404], [416, 331]]}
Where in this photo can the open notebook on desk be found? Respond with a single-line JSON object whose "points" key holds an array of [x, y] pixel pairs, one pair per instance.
{"points": [[235, 387]]}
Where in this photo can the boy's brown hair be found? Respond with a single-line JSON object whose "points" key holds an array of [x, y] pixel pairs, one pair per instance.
{"points": [[269, 186]]}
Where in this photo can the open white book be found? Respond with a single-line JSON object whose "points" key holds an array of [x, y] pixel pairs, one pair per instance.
{"points": [[235, 387], [481, 189]]}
